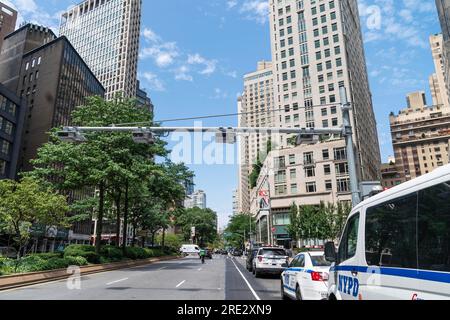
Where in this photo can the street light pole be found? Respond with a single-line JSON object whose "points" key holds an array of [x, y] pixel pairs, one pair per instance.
{"points": [[348, 133]]}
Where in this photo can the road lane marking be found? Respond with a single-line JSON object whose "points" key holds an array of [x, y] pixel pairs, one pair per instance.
{"points": [[248, 284], [199, 269], [180, 284], [162, 268], [117, 281]]}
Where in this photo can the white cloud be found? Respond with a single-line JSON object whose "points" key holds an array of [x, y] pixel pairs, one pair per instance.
{"points": [[257, 10], [29, 11], [219, 94], [163, 53], [153, 81], [209, 65], [231, 4], [182, 74]]}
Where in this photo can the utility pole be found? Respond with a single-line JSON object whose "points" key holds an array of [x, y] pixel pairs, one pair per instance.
{"points": [[348, 133]]}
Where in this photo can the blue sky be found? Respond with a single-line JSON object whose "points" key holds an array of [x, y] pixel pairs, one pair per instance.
{"points": [[195, 52]]}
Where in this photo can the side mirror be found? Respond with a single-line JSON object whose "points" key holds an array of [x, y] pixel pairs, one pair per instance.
{"points": [[330, 252]]}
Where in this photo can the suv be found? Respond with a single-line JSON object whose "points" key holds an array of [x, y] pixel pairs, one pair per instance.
{"points": [[251, 255], [269, 260]]}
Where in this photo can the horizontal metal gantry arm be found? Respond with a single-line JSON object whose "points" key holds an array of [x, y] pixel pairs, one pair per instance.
{"points": [[311, 131]]}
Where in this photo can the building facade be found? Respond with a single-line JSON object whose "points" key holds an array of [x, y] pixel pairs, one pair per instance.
{"points": [[54, 80], [438, 89], [12, 116], [236, 210], [443, 8], [106, 35], [196, 200], [143, 99], [8, 19], [256, 109], [15, 45], [317, 47], [421, 137]]}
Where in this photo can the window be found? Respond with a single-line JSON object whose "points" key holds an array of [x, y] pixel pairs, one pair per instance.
{"points": [[347, 248], [343, 185], [391, 233], [325, 154], [434, 228], [311, 187], [280, 190], [294, 189], [280, 177], [308, 158], [310, 172], [341, 169], [292, 159], [2, 167], [327, 169], [340, 154], [281, 219], [328, 185], [293, 174]]}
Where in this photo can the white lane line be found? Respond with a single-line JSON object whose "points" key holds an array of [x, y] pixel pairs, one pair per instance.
{"points": [[199, 269], [248, 284], [162, 268], [117, 281], [180, 284]]}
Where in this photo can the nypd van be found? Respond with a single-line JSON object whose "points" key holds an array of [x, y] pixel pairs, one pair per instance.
{"points": [[396, 245]]}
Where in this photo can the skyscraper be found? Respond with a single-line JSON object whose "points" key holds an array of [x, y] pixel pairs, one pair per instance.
{"points": [[106, 35], [437, 80], [8, 19], [443, 8], [317, 47], [256, 106]]}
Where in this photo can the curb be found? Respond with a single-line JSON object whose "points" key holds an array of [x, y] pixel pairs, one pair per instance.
{"points": [[27, 279]]}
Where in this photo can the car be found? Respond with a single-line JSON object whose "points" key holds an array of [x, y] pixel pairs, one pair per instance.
{"points": [[270, 260], [224, 252], [190, 250], [237, 253], [395, 245], [8, 252], [307, 277], [249, 262]]}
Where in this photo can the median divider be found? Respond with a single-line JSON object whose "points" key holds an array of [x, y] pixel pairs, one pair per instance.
{"points": [[26, 279]]}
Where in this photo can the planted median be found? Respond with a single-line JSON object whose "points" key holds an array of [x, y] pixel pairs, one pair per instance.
{"points": [[78, 255]]}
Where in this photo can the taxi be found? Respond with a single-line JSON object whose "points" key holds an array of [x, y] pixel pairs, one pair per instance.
{"points": [[306, 278]]}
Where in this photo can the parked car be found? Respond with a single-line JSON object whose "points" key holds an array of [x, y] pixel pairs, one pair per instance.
{"points": [[237, 253], [270, 260], [307, 277], [251, 255], [8, 252]]}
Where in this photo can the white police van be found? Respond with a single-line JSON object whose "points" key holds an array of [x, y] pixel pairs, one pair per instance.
{"points": [[396, 245]]}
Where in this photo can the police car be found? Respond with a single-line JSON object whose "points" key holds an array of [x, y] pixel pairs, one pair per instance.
{"points": [[306, 278], [396, 245]]}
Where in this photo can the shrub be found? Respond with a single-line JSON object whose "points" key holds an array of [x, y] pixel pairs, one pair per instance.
{"points": [[77, 261], [87, 252], [111, 253], [172, 241], [136, 253]]}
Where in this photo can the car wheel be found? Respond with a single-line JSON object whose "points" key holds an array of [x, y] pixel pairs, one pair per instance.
{"points": [[298, 293], [283, 294], [257, 273]]}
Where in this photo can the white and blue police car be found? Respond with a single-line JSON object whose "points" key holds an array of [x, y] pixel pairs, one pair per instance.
{"points": [[396, 245], [306, 278]]}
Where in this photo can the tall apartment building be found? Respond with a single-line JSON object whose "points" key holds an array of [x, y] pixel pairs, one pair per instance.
{"points": [[317, 47], [236, 202], [12, 116], [256, 106], [15, 45], [421, 137], [437, 80], [197, 199], [106, 35], [8, 19], [443, 8]]}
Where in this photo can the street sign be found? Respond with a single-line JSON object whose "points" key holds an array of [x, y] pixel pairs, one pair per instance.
{"points": [[192, 232]]}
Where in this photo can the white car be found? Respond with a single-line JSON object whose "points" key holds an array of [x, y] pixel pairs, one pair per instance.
{"points": [[269, 260], [307, 277]]}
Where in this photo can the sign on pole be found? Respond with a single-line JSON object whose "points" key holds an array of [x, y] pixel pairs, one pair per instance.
{"points": [[192, 232], [264, 200]]}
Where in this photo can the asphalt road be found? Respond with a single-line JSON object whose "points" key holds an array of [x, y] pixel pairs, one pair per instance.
{"points": [[222, 278]]}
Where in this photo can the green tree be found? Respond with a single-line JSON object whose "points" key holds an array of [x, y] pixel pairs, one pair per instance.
{"points": [[204, 221], [107, 162], [294, 228], [28, 202], [238, 228]]}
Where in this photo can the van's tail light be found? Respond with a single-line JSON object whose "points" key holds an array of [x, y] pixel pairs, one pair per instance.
{"points": [[317, 276], [260, 258]]}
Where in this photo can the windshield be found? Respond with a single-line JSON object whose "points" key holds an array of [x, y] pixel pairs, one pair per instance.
{"points": [[273, 252], [320, 261]]}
